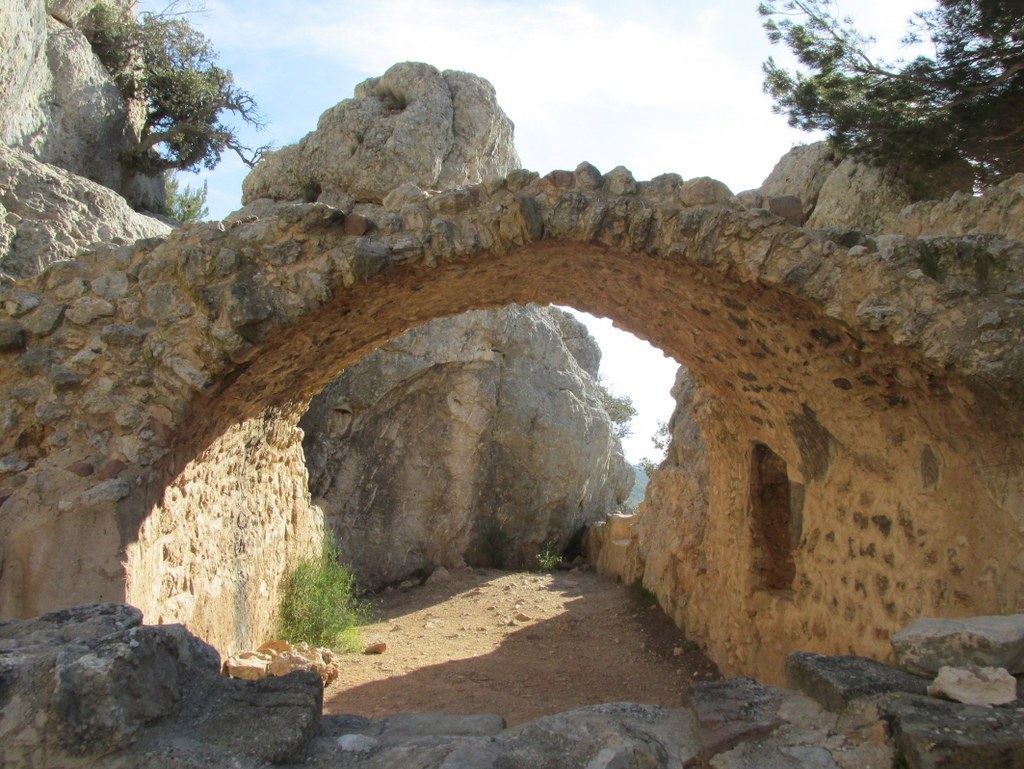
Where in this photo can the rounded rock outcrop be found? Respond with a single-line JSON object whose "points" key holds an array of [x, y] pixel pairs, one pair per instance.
{"points": [[414, 124]]}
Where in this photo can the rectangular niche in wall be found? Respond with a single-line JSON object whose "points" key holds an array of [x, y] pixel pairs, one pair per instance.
{"points": [[771, 520]]}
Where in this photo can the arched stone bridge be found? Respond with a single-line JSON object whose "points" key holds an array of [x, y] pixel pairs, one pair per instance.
{"points": [[151, 394]]}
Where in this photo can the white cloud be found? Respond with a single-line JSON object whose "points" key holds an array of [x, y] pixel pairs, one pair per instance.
{"points": [[580, 84]]}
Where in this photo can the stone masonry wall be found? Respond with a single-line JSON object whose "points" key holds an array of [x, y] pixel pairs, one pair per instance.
{"points": [[213, 552], [883, 375]]}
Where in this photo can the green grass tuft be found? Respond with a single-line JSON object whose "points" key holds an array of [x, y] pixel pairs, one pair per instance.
{"points": [[319, 605], [549, 556], [646, 598]]}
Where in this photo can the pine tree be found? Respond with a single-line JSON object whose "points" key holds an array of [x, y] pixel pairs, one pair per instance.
{"points": [[964, 103]]}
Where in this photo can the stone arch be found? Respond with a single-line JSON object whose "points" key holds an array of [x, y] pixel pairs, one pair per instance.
{"points": [[168, 387]]}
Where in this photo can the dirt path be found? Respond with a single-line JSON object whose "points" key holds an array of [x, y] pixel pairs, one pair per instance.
{"points": [[519, 644]]}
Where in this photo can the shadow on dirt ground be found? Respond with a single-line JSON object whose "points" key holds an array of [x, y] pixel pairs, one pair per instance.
{"points": [[522, 645]]}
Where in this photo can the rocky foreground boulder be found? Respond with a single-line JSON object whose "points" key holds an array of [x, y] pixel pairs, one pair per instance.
{"points": [[94, 687], [474, 439]]}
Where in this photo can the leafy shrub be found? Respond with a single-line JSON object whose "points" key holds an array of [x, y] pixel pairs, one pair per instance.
{"points": [[184, 204], [319, 606], [170, 67], [549, 556], [646, 598]]}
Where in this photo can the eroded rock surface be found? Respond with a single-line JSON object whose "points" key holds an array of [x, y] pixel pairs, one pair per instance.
{"points": [[834, 192], [93, 687], [59, 103], [931, 643], [801, 172], [474, 439], [857, 195], [413, 125], [846, 193], [835, 682], [975, 685], [998, 210], [930, 733], [49, 215]]}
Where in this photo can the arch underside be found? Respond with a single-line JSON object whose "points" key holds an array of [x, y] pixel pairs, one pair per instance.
{"points": [[907, 468], [855, 420]]}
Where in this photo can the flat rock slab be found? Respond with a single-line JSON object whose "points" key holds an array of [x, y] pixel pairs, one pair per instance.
{"points": [[408, 725], [611, 736], [834, 682], [755, 756], [79, 623], [271, 720], [935, 734], [728, 712], [929, 644]]}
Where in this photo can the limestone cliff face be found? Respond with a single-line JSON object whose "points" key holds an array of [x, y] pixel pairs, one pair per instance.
{"points": [[414, 124], [845, 193], [472, 439], [59, 104], [49, 215]]}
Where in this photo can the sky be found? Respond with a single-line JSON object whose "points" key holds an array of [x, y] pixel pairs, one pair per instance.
{"points": [[655, 85]]}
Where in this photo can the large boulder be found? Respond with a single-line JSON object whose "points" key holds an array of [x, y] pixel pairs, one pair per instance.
{"points": [[414, 124], [801, 172], [60, 104], [92, 686], [847, 193], [473, 439], [48, 215], [833, 192], [858, 196]]}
